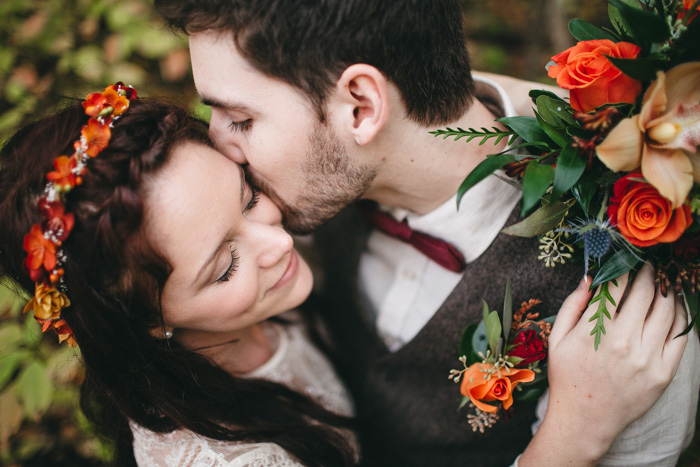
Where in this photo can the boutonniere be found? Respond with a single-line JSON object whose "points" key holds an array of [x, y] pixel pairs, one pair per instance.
{"points": [[504, 360], [610, 175]]}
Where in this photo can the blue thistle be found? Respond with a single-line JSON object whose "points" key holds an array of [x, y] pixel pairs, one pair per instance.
{"points": [[598, 236]]}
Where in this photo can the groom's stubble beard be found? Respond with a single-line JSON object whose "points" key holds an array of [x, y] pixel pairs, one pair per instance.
{"points": [[332, 181]]}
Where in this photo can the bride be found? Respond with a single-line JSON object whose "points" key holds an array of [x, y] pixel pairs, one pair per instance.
{"points": [[164, 266]]}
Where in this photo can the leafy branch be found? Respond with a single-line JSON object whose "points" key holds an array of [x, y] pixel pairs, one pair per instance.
{"points": [[599, 316], [471, 134]]}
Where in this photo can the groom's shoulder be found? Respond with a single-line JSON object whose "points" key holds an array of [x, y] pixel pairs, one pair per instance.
{"points": [[518, 90]]}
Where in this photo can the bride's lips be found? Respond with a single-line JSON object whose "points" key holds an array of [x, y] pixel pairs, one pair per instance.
{"points": [[290, 272]]}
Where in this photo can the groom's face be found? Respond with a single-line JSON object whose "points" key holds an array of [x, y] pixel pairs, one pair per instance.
{"points": [[273, 130]]}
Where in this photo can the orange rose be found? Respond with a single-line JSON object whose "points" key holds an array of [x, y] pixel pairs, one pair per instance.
{"points": [[482, 382], [643, 216], [591, 78]]}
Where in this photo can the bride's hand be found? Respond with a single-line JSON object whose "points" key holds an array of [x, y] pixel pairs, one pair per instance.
{"points": [[594, 395]]}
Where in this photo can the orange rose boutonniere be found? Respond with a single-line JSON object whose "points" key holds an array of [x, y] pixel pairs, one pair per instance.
{"points": [[486, 382], [591, 78], [500, 356]]}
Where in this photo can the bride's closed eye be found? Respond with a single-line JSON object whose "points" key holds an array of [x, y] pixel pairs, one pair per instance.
{"points": [[254, 198], [240, 126], [235, 259]]}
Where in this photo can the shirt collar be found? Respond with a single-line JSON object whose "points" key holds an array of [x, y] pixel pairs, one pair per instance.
{"points": [[483, 210]]}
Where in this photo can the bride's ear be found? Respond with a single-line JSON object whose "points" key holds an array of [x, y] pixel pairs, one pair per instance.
{"points": [[361, 101]]}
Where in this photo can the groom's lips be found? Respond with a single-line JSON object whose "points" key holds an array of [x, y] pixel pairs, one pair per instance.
{"points": [[290, 272]]}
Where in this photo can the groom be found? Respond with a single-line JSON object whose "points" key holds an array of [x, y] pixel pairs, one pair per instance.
{"points": [[328, 102]]}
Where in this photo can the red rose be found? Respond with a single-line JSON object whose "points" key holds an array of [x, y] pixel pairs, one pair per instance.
{"points": [[528, 346], [591, 78], [643, 216]]}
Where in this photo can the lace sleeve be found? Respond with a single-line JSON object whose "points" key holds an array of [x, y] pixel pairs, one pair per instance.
{"points": [[186, 449]]}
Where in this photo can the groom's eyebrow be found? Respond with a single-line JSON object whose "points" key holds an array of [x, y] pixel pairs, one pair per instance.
{"points": [[212, 102]]}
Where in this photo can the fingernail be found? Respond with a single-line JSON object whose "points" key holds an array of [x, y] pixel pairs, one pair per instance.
{"points": [[583, 284]]}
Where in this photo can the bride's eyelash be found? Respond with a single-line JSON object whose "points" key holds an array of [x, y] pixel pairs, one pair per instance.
{"points": [[240, 126], [253, 199], [232, 267]]}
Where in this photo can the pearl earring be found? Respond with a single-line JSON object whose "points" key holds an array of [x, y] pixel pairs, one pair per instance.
{"points": [[168, 333]]}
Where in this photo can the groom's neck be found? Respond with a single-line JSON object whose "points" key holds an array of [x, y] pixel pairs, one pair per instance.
{"points": [[420, 172]]}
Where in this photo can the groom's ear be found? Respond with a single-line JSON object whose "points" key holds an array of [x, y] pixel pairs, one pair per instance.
{"points": [[361, 101]]}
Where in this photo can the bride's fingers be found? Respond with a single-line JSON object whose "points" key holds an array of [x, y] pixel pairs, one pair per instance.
{"points": [[571, 311], [616, 290], [660, 321], [675, 344], [632, 315]]}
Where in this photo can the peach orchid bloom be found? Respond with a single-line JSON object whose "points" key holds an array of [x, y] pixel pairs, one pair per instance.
{"points": [[664, 137]]}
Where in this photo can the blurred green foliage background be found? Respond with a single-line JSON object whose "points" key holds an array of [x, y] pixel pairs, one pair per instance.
{"points": [[51, 50]]}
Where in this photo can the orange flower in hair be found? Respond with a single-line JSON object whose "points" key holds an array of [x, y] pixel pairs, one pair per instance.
{"points": [[64, 176], [96, 136], [108, 102], [40, 250]]}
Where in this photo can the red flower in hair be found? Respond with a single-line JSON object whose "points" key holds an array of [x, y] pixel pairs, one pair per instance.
{"points": [[63, 176], [128, 91], [96, 136], [57, 222], [39, 250]]}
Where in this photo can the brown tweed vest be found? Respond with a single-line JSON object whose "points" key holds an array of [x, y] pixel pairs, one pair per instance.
{"points": [[407, 407]]}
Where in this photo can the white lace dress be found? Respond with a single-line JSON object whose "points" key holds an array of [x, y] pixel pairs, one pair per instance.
{"points": [[297, 364]]}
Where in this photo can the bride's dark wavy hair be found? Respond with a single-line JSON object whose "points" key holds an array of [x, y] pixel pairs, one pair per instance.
{"points": [[114, 281]]}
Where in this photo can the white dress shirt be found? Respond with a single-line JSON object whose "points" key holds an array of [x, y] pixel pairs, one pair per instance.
{"points": [[402, 287]]}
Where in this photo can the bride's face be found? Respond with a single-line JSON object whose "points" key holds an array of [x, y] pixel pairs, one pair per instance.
{"points": [[233, 264]]}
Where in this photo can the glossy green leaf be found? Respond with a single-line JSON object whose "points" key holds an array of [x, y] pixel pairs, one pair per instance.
{"points": [[466, 347], [536, 180], [493, 331], [35, 389], [570, 167], [558, 135], [479, 340], [507, 311], [554, 112], [539, 222], [585, 31], [483, 170], [618, 264], [535, 93], [686, 49], [526, 127], [641, 69], [646, 27]]}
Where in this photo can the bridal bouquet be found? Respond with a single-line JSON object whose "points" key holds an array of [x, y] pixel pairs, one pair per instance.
{"points": [[610, 176]]}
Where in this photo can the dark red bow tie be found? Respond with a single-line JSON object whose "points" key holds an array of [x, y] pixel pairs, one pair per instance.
{"points": [[443, 253]]}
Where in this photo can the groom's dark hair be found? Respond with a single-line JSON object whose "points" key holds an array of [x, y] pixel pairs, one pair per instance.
{"points": [[417, 44]]}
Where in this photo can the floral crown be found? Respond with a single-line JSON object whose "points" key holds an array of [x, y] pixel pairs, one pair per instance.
{"points": [[45, 258]]}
